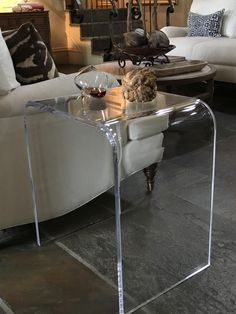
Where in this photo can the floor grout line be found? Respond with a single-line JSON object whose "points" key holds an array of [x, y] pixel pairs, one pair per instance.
{"points": [[94, 270], [82, 261]]}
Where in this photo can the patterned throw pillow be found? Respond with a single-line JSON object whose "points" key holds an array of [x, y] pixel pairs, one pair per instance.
{"points": [[31, 58], [205, 25]]}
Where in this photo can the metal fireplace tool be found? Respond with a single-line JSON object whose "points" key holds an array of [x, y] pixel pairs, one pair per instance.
{"points": [[137, 55]]}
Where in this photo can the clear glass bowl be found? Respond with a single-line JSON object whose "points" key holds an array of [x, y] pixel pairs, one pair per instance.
{"points": [[93, 85]]}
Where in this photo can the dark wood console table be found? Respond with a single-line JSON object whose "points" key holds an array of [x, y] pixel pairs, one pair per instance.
{"points": [[12, 20]]}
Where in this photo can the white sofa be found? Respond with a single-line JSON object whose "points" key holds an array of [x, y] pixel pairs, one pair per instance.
{"points": [[72, 171], [219, 51]]}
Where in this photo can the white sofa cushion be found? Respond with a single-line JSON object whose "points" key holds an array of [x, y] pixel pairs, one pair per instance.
{"points": [[13, 104], [212, 50], [211, 6], [140, 128], [7, 73], [185, 45], [175, 31], [217, 51], [142, 153]]}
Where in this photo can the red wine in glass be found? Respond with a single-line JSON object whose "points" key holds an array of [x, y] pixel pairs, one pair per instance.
{"points": [[97, 92]]}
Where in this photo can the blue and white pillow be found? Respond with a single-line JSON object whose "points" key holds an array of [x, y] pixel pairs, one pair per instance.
{"points": [[205, 25]]}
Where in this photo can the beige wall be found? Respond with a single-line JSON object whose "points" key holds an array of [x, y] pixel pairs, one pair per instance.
{"points": [[6, 5], [178, 18], [66, 44], [57, 23]]}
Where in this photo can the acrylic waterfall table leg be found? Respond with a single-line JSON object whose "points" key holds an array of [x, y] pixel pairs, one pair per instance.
{"points": [[162, 239]]}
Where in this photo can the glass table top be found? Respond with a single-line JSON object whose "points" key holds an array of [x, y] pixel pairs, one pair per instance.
{"points": [[113, 107]]}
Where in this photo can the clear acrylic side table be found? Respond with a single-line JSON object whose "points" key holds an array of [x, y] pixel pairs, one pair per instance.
{"points": [[161, 238]]}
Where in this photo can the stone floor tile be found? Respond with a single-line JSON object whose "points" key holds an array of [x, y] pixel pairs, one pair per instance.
{"points": [[160, 246], [47, 280]]}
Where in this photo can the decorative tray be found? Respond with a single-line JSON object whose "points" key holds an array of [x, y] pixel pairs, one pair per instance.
{"points": [[180, 67]]}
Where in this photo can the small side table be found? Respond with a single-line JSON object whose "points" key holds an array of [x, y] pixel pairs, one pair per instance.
{"points": [[166, 238]]}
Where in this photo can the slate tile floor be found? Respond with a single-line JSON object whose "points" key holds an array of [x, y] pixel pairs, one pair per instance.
{"points": [[51, 280]]}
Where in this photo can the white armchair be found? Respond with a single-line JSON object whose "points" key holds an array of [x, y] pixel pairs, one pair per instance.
{"points": [[15, 189], [219, 51], [73, 162]]}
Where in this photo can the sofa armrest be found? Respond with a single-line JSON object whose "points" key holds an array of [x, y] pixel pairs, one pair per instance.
{"points": [[13, 104], [175, 31]]}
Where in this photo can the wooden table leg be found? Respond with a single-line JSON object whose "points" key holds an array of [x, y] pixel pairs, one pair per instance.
{"points": [[150, 172]]}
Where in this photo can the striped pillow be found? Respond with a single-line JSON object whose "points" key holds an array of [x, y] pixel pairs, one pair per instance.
{"points": [[31, 58]]}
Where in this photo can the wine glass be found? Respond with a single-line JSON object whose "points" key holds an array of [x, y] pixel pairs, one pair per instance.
{"points": [[93, 85]]}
